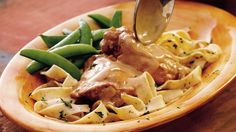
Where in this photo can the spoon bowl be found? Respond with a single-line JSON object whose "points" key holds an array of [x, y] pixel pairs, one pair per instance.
{"points": [[148, 28]]}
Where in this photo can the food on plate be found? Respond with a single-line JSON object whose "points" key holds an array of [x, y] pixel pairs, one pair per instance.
{"points": [[106, 75]]}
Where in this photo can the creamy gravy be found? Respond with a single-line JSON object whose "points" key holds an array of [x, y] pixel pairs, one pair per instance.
{"points": [[104, 69]]}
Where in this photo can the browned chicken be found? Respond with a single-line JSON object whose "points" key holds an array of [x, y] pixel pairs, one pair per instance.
{"points": [[104, 79], [159, 62]]}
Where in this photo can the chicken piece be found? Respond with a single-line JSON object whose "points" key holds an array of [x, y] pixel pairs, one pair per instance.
{"points": [[158, 61], [104, 79], [108, 92], [110, 41]]}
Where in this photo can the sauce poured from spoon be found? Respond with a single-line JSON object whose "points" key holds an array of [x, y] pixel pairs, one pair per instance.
{"points": [[151, 17]]}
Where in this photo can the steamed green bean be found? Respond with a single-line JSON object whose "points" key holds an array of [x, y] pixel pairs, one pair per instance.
{"points": [[65, 51], [70, 39], [103, 21], [50, 59], [86, 35], [117, 19], [50, 41], [98, 34]]}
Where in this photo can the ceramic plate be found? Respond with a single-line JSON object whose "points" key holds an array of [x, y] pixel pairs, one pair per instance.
{"points": [[205, 22]]}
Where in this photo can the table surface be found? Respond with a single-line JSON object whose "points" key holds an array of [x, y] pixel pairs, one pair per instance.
{"points": [[21, 21]]}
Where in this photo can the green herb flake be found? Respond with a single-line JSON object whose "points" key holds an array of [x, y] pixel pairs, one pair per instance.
{"points": [[181, 40], [146, 113], [130, 111], [191, 62], [103, 123], [100, 114], [217, 72], [67, 103], [211, 52], [92, 66], [156, 85], [43, 98], [175, 46], [62, 115]]}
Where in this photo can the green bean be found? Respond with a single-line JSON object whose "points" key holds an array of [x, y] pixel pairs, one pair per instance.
{"points": [[50, 59], [50, 41], [117, 19], [75, 50], [65, 51], [96, 44], [34, 67], [79, 62], [98, 34], [103, 21], [70, 39], [85, 31]]}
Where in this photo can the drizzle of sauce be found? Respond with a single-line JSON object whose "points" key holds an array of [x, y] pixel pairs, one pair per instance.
{"points": [[108, 70], [150, 27]]}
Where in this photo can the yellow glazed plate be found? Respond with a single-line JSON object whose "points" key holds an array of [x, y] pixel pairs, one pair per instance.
{"points": [[205, 22]]}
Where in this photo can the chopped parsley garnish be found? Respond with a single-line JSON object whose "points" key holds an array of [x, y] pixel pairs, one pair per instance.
{"points": [[103, 123], [93, 65], [156, 85], [175, 46], [217, 72], [30, 93], [62, 115], [130, 111], [43, 98], [67, 103], [210, 52], [146, 113], [191, 62], [181, 40], [186, 53], [100, 114]]}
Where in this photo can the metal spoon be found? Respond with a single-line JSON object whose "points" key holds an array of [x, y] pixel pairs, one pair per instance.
{"points": [[151, 17]]}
